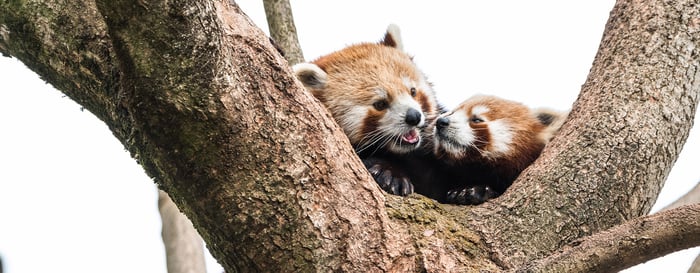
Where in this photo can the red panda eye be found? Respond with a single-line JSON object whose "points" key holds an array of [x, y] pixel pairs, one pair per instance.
{"points": [[413, 91], [476, 120], [381, 105]]}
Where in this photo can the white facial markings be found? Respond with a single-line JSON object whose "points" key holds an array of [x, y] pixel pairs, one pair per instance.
{"points": [[405, 102], [392, 129], [501, 138], [380, 92], [480, 110], [408, 82], [458, 136], [350, 119], [393, 123]]}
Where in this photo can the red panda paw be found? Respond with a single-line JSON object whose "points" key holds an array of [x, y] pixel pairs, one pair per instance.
{"points": [[389, 177], [470, 195]]}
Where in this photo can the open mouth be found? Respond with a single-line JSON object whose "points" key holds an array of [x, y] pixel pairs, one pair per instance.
{"points": [[411, 137]]}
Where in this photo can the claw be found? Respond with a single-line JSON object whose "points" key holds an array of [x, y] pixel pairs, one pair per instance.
{"points": [[393, 182], [471, 195]]}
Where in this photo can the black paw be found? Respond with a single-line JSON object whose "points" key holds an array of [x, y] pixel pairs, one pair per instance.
{"points": [[470, 195], [389, 178]]}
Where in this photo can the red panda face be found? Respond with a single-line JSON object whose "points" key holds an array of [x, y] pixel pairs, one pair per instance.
{"points": [[391, 118], [489, 129], [376, 94]]}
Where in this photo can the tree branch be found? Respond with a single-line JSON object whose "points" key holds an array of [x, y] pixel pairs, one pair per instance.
{"points": [[201, 98], [626, 245], [184, 251], [210, 110], [610, 159], [282, 29], [695, 267], [691, 197]]}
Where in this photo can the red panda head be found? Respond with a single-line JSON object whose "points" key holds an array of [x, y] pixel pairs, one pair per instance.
{"points": [[491, 130], [375, 93]]}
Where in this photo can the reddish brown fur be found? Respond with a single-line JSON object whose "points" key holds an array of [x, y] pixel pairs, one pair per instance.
{"points": [[356, 72], [490, 154], [524, 125], [383, 103]]}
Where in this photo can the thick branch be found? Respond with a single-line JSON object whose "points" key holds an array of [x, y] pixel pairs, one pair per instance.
{"points": [[211, 111], [73, 53], [629, 244], [625, 131], [282, 29]]}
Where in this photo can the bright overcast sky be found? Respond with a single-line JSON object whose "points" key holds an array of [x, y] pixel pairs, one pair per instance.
{"points": [[72, 200]]}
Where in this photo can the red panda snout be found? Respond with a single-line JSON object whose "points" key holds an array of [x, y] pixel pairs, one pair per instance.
{"points": [[397, 125], [403, 128], [454, 138], [487, 128], [413, 117]]}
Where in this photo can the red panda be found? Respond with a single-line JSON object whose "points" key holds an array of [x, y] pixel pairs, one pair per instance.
{"points": [[383, 103], [486, 142]]}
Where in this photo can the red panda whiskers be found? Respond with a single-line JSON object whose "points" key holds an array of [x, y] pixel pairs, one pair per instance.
{"points": [[376, 139], [384, 104], [491, 153]]}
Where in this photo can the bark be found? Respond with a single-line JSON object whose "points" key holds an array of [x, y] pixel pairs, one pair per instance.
{"points": [[201, 98], [692, 197], [203, 101], [184, 250], [282, 29], [240, 102], [613, 154], [628, 244], [695, 267]]}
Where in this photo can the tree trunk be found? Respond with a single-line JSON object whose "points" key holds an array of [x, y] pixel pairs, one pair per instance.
{"points": [[203, 101], [184, 250]]}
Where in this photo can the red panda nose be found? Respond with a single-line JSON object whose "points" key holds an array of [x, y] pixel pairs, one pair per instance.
{"points": [[413, 117], [442, 122]]}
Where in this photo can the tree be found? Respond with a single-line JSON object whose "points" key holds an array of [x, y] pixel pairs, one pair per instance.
{"points": [[189, 99]]}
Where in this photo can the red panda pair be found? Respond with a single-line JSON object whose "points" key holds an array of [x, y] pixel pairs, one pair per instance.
{"points": [[407, 141]]}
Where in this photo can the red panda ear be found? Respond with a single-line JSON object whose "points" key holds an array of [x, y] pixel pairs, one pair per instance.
{"points": [[392, 37], [552, 121], [545, 118], [310, 75], [550, 117]]}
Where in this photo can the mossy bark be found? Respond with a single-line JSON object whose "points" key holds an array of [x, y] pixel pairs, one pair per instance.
{"points": [[205, 103]]}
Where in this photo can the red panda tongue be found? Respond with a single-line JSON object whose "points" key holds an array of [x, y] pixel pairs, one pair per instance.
{"points": [[410, 137]]}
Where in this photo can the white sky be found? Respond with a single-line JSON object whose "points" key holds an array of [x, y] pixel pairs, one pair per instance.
{"points": [[72, 200]]}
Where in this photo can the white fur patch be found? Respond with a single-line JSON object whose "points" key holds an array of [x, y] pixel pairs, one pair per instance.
{"points": [[395, 33], [460, 134], [401, 105], [408, 82], [460, 122], [480, 110], [393, 123], [501, 137], [310, 75], [351, 122]]}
